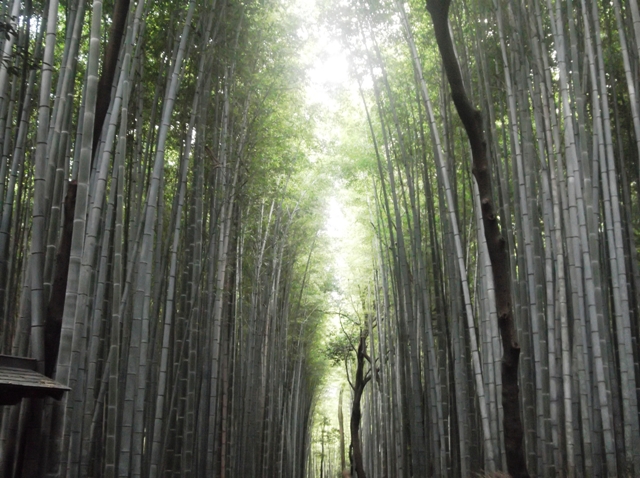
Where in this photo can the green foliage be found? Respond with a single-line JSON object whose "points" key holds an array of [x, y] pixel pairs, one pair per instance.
{"points": [[338, 348]]}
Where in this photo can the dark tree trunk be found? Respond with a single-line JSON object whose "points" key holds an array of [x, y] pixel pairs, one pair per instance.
{"points": [[55, 307], [120, 10], [472, 121], [356, 413]]}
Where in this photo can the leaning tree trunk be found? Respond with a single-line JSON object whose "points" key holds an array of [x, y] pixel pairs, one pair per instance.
{"points": [[472, 121]]}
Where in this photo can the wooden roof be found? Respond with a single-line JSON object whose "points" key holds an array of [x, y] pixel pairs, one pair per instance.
{"points": [[19, 379]]}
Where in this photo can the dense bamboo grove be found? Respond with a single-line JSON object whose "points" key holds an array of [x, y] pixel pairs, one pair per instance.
{"points": [[162, 252], [159, 216], [555, 84]]}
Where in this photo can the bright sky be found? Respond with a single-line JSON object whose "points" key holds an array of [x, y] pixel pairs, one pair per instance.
{"points": [[330, 69], [329, 61], [345, 240], [336, 226], [329, 72], [328, 79]]}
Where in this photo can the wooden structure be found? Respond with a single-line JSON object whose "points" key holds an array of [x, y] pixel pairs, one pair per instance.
{"points": [[20, 379]]}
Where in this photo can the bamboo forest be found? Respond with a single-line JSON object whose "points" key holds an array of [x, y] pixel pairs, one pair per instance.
{"points": [[319, 238]]}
